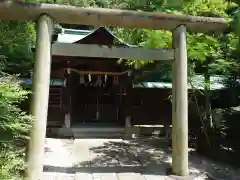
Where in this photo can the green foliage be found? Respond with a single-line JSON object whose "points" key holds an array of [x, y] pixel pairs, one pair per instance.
{"points": [[14, 129], [201, 47], [16, 39], [234, 12]]}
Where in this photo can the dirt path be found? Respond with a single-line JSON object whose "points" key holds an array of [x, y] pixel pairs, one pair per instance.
{"points": [[115, 159]]}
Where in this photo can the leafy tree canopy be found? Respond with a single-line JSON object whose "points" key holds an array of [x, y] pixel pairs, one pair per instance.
{"points": [[15, 36], [16, 39]]}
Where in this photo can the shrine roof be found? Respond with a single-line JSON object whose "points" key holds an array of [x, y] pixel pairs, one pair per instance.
{"points": [[76, 35]]}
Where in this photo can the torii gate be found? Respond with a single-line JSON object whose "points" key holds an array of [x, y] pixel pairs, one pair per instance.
{"points": [[46, 14]]}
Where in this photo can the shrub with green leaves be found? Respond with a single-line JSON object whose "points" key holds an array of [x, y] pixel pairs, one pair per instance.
{"points": [[14, 129]]}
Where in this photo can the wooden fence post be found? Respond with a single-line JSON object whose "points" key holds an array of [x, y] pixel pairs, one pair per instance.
{"points": [[39, 105]]}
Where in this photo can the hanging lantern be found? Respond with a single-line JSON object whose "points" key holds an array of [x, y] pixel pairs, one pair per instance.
{"points": [[89, 79], [68, 71], [105, 78]]}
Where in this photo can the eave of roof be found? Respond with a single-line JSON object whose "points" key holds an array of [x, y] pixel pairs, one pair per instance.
{"points": [[79, 35], [197, 82], [71, 35]]}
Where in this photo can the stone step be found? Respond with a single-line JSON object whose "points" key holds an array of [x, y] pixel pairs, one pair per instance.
{"points": [[91, 176], [95, 132], [57, 176], [94, 135], [98, 129]]}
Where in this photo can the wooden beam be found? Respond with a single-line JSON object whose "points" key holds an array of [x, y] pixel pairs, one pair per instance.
{"points": [[15, 10], [39, 105], [180, 104], [98, 72], [133, 53]]}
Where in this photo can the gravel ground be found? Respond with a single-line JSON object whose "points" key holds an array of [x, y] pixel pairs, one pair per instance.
{"points": [[152, 156]]}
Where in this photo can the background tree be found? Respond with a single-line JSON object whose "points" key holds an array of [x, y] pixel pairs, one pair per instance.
{"points": [[16, 40], [14, 128]]}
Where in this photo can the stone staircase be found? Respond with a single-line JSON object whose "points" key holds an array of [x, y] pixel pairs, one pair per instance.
{"points": [[98, 132]]}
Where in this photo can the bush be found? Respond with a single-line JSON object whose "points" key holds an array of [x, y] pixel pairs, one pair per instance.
{"points": [[14, 129], [221, 142]]}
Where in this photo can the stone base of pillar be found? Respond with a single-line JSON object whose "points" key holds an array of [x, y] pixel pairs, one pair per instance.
{"points": [[128, 122], [173, 177], [131, 132], [128, 128]]}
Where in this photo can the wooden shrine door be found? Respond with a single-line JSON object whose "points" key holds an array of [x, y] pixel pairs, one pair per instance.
{"points": [[93, 103]]}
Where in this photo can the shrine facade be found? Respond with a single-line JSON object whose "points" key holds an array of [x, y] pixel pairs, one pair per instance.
{"points": [[100, 90]]}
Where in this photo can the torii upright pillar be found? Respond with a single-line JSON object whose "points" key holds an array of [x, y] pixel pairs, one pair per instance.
{"points": [[180, 104], [39, 105]]}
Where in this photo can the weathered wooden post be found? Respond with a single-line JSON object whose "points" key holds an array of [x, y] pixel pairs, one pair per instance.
{"points": [[180, 104], [39, 106], [67, 118], [127, 109], [174, 140]]}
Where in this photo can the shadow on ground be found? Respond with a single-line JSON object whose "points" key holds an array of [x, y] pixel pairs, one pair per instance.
{"points": [[150, 157]]}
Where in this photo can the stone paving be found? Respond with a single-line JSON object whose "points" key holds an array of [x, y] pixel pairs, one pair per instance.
{"points": [[116, 159]]}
